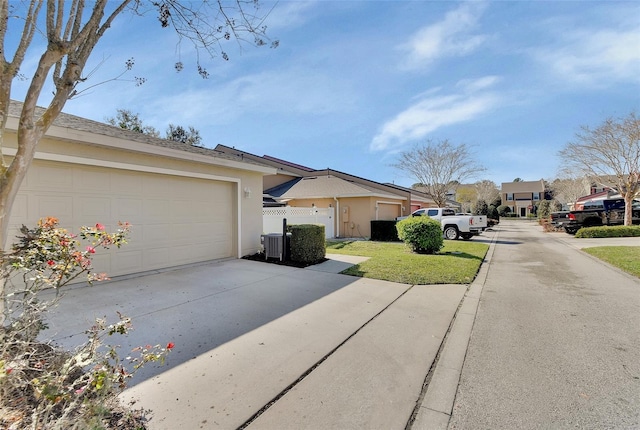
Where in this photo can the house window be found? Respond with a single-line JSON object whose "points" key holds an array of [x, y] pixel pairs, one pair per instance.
{"points": [[509, 197], [536, 196]]}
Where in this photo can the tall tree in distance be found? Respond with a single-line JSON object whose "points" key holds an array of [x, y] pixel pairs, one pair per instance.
{"points": [[439, 167], [487, 190], [189, 135], [568, 190], [71, 31], [128, 120], [609, 155]]}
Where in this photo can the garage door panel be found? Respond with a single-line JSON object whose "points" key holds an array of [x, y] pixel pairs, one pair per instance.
{"points": [[183, 210], [182, 232], [136, 235], [91, 180], [102, 262], [51, 177], [59, 206], [93, 209], [126, 183], [129, 210], [159, 185], [175, 220], [155, 209], [127, 261], [20, 208], [153, 234], [156, 258]]}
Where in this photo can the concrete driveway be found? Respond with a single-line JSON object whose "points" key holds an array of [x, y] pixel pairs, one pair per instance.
{"points": [[272, 347]]}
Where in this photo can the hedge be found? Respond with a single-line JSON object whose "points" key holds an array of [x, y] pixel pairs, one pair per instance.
{"points": [[609, 231]]}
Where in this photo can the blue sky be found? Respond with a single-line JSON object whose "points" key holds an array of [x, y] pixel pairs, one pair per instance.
{"points": [[353, 83]]}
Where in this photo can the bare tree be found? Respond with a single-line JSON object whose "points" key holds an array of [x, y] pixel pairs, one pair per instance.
{"points": [[568, 190], [72, 29], [609, 155], [487, 190], [466, 196], [439, 167]]}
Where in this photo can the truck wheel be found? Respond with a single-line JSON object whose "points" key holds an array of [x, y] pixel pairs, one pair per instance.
{"points": [[451, 232], [571, 230]]}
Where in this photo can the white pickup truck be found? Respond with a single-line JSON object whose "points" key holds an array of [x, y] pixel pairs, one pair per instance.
{"points": [[453, 226]]}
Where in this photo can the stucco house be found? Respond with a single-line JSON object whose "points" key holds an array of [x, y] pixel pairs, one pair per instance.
{"points": [[186, 204], [357, 201], [522, 196]]}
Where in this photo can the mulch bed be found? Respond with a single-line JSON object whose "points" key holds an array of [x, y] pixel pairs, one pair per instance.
{"points": [[260, 257]]}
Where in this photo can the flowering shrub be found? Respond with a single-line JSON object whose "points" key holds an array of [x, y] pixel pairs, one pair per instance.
{"points": [[42, 386]]}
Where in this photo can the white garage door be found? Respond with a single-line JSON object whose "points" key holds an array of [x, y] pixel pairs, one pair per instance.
{"points": [[176, 220]]}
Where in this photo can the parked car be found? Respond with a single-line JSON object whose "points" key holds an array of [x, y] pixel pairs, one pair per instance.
{"points": [[559, 218], [453, 226], [610, 213]]}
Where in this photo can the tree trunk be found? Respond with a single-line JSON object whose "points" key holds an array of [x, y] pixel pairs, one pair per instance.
{"points": [[628, 209]]}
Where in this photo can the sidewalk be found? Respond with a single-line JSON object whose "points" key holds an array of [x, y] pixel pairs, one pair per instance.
{"points": [[355, 358]]}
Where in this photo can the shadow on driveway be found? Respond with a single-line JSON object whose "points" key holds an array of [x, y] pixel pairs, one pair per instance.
{"points": [[198, 308]]}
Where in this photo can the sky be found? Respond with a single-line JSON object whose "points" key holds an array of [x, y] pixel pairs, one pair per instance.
{"points": [[353, 84]]}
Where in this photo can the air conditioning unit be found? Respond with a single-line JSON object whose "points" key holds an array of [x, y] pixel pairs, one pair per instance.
{"points": [[272, 244]]}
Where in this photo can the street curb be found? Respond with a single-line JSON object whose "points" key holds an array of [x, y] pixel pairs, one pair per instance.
{"points": [[437, 405]]}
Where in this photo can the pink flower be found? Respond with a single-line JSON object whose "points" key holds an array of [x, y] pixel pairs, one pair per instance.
{"points": [[99, 227], [170, 345], [91, 250]]}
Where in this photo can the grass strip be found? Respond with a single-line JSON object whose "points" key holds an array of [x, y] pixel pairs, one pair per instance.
{"points": [[626, 258], [457, 262]]}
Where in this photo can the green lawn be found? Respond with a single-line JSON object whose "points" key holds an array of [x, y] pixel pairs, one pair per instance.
{"points": [[457, 262], [626, 258]]}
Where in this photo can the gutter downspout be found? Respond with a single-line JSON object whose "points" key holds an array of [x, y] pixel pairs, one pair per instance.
{"points": [[337, 216]]}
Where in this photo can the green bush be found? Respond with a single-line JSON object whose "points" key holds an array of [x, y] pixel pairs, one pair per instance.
{"points": [[609, 231], [504, 210], [307, 243], [544, 209], [384, 231], [481, 208], [422, 234], [493, 213]]}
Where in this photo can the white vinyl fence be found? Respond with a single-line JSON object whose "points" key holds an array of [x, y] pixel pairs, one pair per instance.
{"points": [[272, 218]]}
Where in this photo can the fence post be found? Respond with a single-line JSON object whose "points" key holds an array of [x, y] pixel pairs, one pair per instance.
{"points": [[284, 240]]}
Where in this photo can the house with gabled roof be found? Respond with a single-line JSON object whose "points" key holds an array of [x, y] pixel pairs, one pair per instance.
{"points": [[186, 204], [356, 200]]}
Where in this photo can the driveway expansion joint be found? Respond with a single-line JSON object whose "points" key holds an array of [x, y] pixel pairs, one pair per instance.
{"points": [[318, 363]]}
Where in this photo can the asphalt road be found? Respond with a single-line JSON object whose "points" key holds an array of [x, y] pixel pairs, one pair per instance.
{"points": [[556, 341]]}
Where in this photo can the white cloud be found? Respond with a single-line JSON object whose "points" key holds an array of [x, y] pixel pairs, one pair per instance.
{"points": [[451, 37], [433, 112], [289, 14], [288, 93], [596, 57]]}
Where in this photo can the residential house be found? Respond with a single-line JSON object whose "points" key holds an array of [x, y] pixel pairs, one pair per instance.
{"points": [[356, 201], [522, 196], [186, 204]]}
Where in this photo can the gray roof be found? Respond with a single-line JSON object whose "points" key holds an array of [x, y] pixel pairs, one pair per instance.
{"points": [[523, 186], [325, 186], [83, 124]]}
